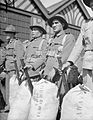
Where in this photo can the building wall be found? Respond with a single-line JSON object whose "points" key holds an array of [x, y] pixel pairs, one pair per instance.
{"points": [[20, 19]]}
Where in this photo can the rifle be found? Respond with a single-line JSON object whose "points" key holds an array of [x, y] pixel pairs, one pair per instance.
{"points": [[65, 84], [27, 76], [17, 72], [62, 79]]}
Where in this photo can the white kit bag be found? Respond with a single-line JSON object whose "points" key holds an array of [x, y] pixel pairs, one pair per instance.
{"points": [[13, 89], [78, 104], [44, 103], [19, 109]]}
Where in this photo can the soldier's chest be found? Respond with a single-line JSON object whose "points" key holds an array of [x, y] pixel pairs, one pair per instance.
{"points": [[34, 46], [10, 47], [55, 44]]}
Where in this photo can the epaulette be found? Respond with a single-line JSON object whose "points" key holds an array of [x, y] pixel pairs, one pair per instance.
{"points": [[26, 41], [68, 33]]}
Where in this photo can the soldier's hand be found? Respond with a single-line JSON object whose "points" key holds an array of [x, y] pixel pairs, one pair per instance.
{"points": [[66, 66], [28, 66], [3, 75]]}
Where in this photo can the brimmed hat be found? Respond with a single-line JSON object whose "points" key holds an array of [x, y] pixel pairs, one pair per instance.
{"points": [[38, 26], [87, 2], [60, 18], [10, 29]]}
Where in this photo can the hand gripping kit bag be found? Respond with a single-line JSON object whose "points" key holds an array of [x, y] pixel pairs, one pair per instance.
{"points": [[44, 102], [78, 104]]}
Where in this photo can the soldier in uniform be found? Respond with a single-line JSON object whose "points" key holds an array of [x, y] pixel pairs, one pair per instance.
{"points": [[35, 54], [84, 42], [14, 50], [2, 76], [34, 58], [59, 46], [2, 57]]}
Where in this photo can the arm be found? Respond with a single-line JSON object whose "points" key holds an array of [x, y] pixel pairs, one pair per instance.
{"points": [[75, 54], [67, 48], [19, 52], [2, 56], [76, 51]]}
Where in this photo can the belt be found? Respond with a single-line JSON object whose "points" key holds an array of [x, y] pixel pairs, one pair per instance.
{"points": [[88, 50], [9, 55], [11, 71], [51, 56], [33, 78]]}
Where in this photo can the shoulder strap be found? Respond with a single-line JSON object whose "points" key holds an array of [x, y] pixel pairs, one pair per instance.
{"points": [[40, 45], [64, 39]]}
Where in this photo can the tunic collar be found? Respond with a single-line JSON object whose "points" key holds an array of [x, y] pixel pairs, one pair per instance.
{"points": [[35, 39], [59, 34]]}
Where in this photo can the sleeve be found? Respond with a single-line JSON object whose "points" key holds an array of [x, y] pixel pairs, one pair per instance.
{"points": [[2, 56], [19, 52], [67, 48], [19, 49], [78, 48]]}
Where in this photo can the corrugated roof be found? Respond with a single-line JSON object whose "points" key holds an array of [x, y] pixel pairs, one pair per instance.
{"points": [[54, 6], [36, 6], [63, 4]]}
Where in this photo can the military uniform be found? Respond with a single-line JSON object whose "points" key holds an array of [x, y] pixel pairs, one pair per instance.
{"points": [[85, 41], [14, 50], [2, 76], [57, 49], [2, 56], [36, 55], [34, 58]]}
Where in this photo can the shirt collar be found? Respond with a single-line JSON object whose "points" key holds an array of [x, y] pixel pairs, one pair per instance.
{"points": [[59, 34], [38, 38]]}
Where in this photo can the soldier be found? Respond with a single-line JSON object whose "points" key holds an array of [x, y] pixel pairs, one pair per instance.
{"points": [[36, 50], [14, 50], [34, 58], [84, 41], [60, 45], [2, 76], [2, 57]]}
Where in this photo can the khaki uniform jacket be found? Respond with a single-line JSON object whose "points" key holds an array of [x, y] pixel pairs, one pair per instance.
{"points": [[54, 49], [35, 55], [2, 55], [84, 41], [14, 49]]}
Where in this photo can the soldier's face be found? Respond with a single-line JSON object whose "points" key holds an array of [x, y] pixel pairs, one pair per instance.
{"points": [[57, 26], [36, 33], [91, 5]]}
